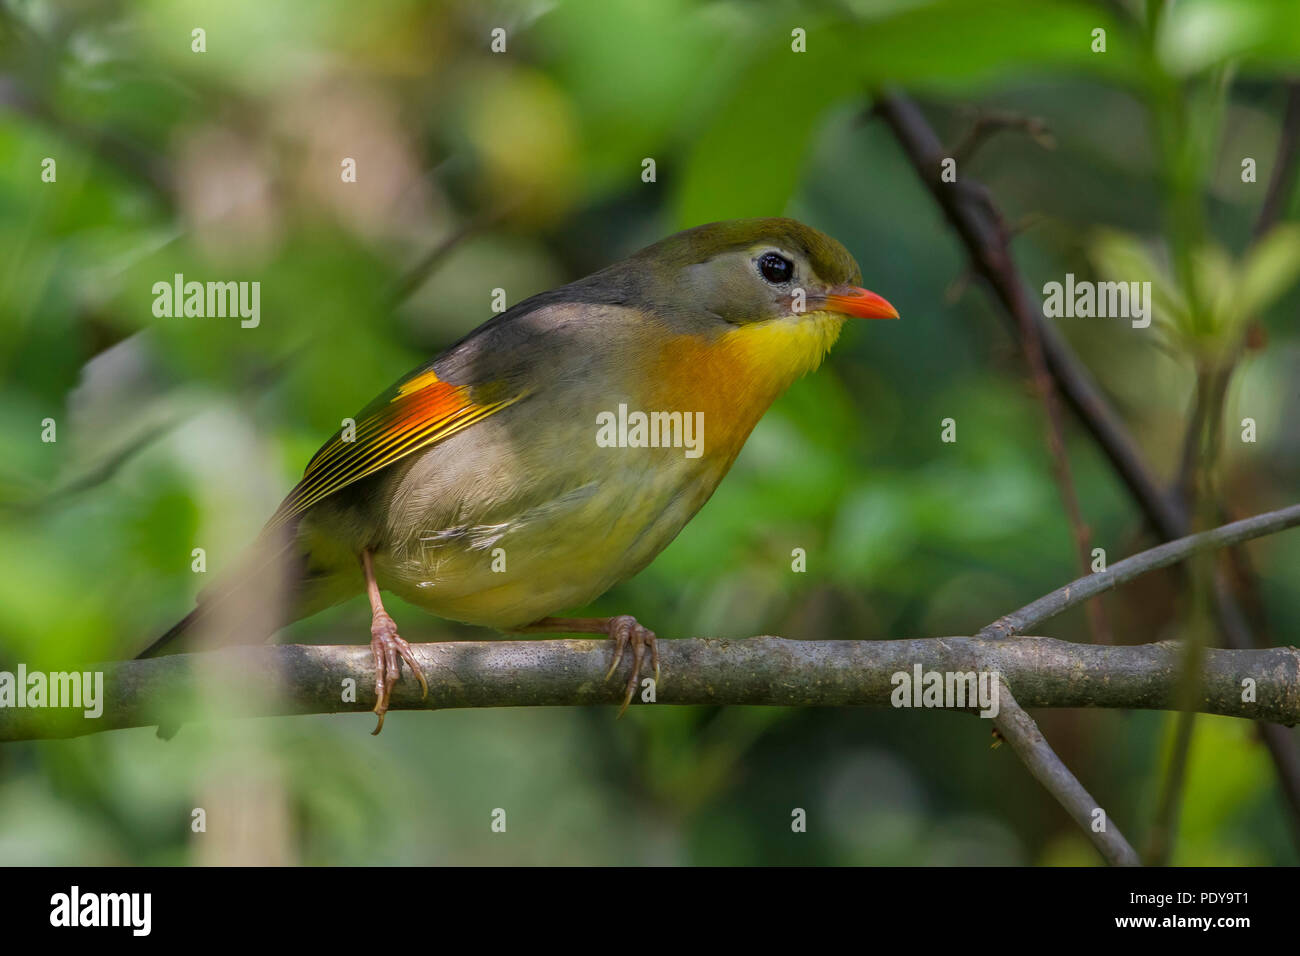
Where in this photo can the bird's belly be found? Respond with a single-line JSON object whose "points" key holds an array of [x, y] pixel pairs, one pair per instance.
{"points": [[558, 554]]}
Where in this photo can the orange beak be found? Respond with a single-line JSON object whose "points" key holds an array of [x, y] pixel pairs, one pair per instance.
{"points": [[861, 303]]}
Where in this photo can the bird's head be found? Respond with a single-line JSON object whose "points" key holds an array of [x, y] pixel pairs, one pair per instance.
{"points": [[748, 305], [753, 270]]}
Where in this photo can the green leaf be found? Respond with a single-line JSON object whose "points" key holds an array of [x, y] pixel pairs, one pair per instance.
{"points": [[1270, 269], [1122, 257], [747, 161], [1198, 34]]}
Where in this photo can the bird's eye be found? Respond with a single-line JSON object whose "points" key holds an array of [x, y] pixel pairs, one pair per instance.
{"points": [[775, 268]]}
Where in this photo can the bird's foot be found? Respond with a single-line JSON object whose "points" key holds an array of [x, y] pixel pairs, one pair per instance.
{"points": [[389, 650], [625, 632]]}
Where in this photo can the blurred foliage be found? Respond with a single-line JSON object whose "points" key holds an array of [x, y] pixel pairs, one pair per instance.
{"points": [[182, 433]]}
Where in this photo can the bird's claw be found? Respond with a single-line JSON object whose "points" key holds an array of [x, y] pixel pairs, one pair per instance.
{"points": [[624, 631], [389, 650]]}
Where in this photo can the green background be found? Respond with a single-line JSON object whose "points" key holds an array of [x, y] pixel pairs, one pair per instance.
{"points": [[183, 433]]}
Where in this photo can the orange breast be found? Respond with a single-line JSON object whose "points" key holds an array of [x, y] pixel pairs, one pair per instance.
{"points": [[734, 378]]}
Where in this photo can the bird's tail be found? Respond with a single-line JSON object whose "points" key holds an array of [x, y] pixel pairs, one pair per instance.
{"points": [[180, 628], [245, 606]]}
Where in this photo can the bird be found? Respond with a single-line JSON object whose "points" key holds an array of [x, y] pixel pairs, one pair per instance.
{"points": [[552, 452]]}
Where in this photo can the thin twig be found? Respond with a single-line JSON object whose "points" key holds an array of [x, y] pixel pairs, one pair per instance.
{"points": [[964, 210], [1161, 556], [1019, 730], [987, 123], [1211, 390], [419, 273], [102, 471], [1282, 178]]}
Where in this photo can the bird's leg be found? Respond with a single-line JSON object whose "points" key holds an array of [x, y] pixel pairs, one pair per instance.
{"points": [[623, 630], [389, 649]]}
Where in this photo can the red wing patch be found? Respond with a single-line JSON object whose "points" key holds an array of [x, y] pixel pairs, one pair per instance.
{"points": [[421, 412]]}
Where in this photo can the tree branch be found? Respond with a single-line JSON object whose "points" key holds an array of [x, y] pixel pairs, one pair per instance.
{"points": [[1161, 556], [966, 211], [768, 671], [1284, 166], [988, 244], [1019, 730]]}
